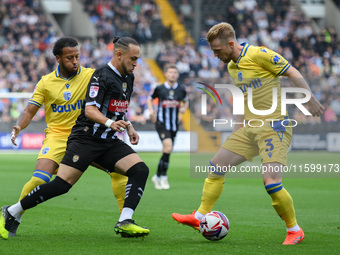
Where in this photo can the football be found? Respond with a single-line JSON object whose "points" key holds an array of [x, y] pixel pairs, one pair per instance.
{"points": [[214, 226]]}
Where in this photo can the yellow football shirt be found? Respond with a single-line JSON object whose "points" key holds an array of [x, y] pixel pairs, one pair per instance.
{"points": [[259, 68], [63, 99]]}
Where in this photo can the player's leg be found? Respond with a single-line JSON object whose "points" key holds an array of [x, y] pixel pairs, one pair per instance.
{"points": [[213, 187], [163, 164], [161, 177], [118, 182], [42, 174], [49, 158], [66, 177], [274, 144], [137, 172], [282, 202]]}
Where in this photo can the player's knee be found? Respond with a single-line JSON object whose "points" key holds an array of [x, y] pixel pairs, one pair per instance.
{"points": [[139, 170], [61, 186]]}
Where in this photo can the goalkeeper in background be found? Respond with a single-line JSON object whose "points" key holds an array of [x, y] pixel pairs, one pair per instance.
{"points": [[62, 92]]}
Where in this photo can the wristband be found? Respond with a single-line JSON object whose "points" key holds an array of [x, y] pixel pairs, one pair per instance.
{"points": [[108, 123]]}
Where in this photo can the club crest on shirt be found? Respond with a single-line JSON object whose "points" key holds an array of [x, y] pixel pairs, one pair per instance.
{"points": [[93, 91], [240, 76], [75, 158], [67, 95], [124, 86], [45, 150], [171, 94]]}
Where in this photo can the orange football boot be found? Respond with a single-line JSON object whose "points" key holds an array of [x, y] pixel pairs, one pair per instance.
{"points": [[294, 237], [188, 219]]}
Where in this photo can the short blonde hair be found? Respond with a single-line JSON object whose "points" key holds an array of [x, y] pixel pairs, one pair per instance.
{"points": [[223, 31], [170, 66]]}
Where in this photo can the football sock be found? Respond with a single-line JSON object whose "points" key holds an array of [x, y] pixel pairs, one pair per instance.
{"points": [[163, 164], [44, 192], [164, 177], [126, 214], [295, 228], [39, 177], [282, 203], [118, 187], [199, 215], [212, 190], [137, 176], [16, 211]]}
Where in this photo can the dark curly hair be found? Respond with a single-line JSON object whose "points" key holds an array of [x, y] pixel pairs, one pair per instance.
{"points": [[62, 43]]}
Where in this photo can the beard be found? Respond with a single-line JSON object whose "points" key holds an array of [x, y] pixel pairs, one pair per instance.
{"points": [[68, 72]]}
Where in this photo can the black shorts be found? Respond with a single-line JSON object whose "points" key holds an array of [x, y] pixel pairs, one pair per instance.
{"points": [[82, 150], [163, 133]]}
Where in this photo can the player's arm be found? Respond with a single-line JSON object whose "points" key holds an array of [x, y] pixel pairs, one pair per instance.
{"points": [[133, 135], [295, 76], [23, 121], [150, 105], [184, 106], [92, 113]]}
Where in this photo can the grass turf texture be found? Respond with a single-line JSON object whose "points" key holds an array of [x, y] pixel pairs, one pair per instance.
{"points": [[82, 221]]}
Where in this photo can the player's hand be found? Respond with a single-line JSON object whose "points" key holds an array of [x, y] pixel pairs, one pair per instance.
{"points": [[153, 116], [14, 134], [315, 108], [182, 110], [119, 126], [134, 137]]}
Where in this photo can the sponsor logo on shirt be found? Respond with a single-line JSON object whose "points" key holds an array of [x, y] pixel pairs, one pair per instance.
{"points": [[118, 105], [69, 107], [170, 103]]}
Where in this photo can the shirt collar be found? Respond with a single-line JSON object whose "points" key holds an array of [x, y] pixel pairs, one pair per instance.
{"points": [[58, 74], [115, 69], [168, 86]]}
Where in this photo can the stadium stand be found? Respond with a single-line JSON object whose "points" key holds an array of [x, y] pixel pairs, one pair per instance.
{"points": [[26, 38]]}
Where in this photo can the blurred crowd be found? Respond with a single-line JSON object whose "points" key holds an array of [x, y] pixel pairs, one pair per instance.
{"points": [[27, 37], [26, 41], [275, 24], [122, 17]]}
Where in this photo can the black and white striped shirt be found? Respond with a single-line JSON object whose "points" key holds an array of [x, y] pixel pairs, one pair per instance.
{"points": [[169, 101], [111, 93]]}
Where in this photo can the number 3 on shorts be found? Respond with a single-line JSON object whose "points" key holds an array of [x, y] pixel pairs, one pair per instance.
{"points": [[269, 144]]}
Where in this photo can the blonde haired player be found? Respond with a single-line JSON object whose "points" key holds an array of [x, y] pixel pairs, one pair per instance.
{"points": [[62, 93], [258, 68]]}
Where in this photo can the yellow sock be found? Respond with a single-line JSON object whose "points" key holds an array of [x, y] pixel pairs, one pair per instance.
{"points": [[39, 177], [212, 190], [118, 187], [282, 203]]}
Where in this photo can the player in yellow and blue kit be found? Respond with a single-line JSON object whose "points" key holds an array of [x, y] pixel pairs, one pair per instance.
{"points": [[62, 93], [257, 68]]}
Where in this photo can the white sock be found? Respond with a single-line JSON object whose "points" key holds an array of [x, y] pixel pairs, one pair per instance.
{"points": [[16, 210], [295, 228], [164, 177], [126, 214], [199, 215]]}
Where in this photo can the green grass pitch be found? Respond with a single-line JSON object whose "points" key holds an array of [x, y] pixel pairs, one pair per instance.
{"points": [[82, 221]]}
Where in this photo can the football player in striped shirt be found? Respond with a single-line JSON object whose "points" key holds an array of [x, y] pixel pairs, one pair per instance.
{"points": [[62, 93]]}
